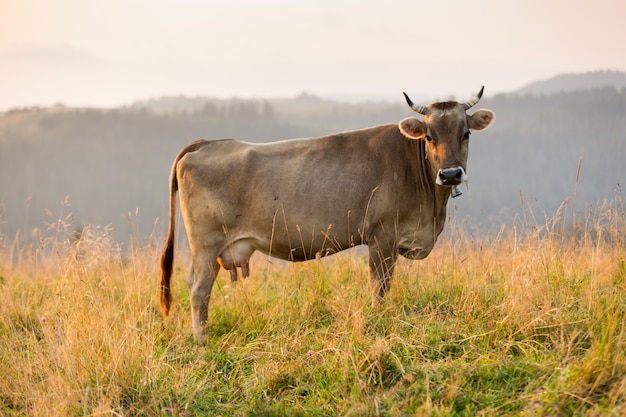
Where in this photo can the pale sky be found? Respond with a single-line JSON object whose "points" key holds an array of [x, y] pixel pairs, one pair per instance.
{"points": [[113, 52]]}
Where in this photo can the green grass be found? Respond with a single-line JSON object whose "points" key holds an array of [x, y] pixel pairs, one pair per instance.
{"points": [[529, 321]]}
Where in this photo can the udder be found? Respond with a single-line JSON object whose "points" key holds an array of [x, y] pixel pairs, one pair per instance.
{"points": [[237, 256]]}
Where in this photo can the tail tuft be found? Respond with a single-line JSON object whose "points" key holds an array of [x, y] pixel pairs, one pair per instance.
{"points": [[167, 260]]}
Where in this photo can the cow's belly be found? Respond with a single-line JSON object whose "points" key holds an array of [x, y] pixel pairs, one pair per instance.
{"points": [[290, 242]]}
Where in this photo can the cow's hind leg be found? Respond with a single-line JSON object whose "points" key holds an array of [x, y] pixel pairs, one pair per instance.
{"points": [[381, 265], [201, 279]]}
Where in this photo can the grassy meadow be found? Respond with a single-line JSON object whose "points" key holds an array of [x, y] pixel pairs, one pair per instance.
{"points": [[528, 320]]}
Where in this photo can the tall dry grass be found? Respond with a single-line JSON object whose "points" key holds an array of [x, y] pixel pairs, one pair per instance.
{"points": [[526, 320]]}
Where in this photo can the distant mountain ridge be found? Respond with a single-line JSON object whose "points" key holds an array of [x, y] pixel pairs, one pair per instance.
{"points": [[564, 83], [561, 83]]}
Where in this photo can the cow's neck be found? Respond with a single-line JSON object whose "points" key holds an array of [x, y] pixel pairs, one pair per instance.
{"points": [[425, 185], [427, 205]]}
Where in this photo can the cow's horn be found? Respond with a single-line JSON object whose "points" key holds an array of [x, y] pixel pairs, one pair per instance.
{"points": [[420, 109], [472, 102]]}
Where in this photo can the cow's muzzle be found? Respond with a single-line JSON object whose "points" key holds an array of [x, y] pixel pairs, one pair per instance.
{"points": [[451, 176]]}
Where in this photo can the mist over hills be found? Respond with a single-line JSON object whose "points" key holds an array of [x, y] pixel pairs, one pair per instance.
{"points": [[114, 164], [575, 82]]}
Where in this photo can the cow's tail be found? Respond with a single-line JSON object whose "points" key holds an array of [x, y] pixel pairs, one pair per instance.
{"points": [[167, 257]]}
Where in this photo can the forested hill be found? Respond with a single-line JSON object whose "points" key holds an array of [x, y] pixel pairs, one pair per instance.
{"points": [[114, 164]]}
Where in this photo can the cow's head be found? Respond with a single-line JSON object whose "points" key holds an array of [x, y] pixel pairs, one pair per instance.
{"points": [[446, 130]]}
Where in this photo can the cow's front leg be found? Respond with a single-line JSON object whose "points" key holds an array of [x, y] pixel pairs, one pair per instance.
{"points": [[201, 279], [382, 261]]}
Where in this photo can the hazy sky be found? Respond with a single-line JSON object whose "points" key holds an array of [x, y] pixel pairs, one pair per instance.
{"points": [[112, 52]]}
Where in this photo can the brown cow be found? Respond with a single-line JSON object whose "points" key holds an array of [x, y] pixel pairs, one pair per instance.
{"points": [[386, 187]]}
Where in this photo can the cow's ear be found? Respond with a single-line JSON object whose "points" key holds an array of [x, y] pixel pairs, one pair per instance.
{"points": [[412, 128], [481, 119]]}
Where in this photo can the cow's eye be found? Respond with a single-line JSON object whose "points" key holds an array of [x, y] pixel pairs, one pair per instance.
{"points": [[466, 135], [428, 138]]}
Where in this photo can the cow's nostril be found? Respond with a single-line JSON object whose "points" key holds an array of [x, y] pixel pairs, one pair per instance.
{"points": [[451, 176]]}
